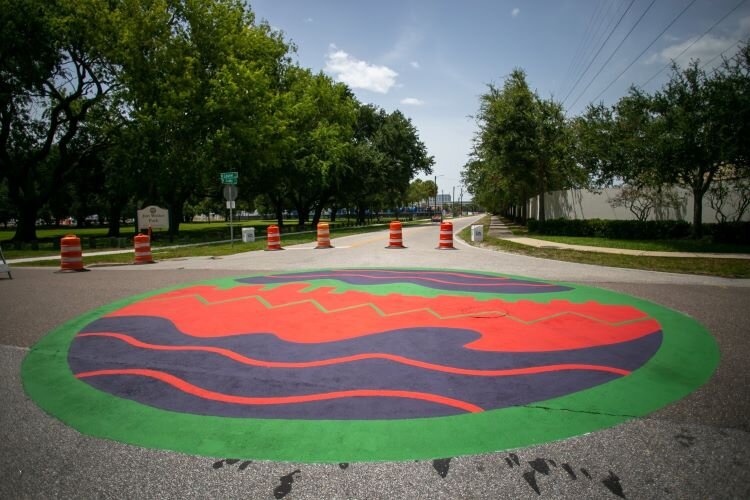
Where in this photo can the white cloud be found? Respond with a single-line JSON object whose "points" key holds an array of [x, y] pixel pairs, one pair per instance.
{"points": [[414, 64], [412, 101], [359, 74], [705, 48], [515, 12], [309, 20]]}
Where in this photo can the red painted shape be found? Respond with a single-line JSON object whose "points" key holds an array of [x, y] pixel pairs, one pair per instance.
{"points": [[228, 353], [200, 392], [324, 315]]}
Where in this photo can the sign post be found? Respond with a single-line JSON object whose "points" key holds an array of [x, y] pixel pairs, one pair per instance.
{"points": [[229, 179]]}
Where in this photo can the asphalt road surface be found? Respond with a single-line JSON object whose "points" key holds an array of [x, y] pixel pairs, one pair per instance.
{"points": [[698, 447]]}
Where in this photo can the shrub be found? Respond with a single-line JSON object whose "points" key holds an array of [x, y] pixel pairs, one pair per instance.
{"points": [[614, 229], [737, 233]]}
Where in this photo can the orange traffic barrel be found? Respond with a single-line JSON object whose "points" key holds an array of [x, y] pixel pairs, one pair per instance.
{"points": [[446, 236], [142, 243], [274, 238], [71, 258], [324, 236], [395, 240]]}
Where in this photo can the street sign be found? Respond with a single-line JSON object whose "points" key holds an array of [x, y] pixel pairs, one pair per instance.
{"points": [[229, 177], [230, 192], [231, 204]]}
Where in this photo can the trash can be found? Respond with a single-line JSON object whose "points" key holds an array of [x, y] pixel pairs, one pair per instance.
{"points": [[248, 234], [477, 232]]}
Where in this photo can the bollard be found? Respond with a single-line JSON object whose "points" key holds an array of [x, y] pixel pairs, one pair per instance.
{"points": [[142, 244], [71, 258], [274, 238], [324, 236], [446, 236], [395, 240]]}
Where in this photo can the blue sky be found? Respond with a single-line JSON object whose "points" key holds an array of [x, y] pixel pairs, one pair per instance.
{"points": [[433, 59]]}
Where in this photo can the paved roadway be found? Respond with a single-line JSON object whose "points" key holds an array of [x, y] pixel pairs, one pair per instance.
{"points": [[698, 447]]}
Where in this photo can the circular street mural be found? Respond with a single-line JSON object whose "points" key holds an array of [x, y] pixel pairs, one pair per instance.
{"points": [[365, 364]]}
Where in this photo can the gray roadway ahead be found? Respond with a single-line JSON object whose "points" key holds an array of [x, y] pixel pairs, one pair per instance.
{"points": [[698, 447]]}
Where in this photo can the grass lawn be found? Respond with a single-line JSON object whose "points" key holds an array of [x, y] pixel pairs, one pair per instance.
{"points": [[205, 250], [698, 246], [728, 268], [96, 239]]}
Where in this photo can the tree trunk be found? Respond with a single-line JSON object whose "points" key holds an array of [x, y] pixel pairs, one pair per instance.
{"points": [[26, 224], [698, 213], [542, 214], [303, 212], [114, 226], [279, 209], [334, 209], [317, 215], [114, 216], [81, 219], [175, 218]]}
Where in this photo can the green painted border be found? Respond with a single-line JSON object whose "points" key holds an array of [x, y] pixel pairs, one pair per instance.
{"points": [[687, 358]]}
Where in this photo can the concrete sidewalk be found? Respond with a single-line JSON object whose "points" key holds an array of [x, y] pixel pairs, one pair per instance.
{"points": [[499, 229]]}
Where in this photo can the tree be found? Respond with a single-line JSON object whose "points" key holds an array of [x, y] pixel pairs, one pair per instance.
{"points": [[641, 201], [554, 166], [488, 188], [525, 140], [729, 195], [696, 126], [364, 178], [320, 116], [421, 191], [54, 69], [690, 140], [201, 81]]}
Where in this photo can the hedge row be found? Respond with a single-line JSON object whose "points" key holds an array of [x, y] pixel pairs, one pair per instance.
{"points": [[737, 233], [729, 232]]}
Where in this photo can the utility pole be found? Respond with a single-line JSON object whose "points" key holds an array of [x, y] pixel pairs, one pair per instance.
{"points": [[453, 202]]}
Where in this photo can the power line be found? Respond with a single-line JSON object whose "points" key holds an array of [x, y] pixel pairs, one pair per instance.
{"points": [[591, 41], [694, 42], [584, 40], [614, 52], [644, 50], [598, 51], [599, 37]]}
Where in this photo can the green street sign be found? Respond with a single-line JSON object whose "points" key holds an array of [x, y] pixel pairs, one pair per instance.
{"points": [[229, 177]]}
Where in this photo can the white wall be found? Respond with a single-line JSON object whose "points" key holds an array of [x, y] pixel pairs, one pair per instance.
{"points": [[584, 204]]}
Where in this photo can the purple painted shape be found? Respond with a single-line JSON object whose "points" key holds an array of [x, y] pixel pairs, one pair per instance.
{"points": [[439, 346], [443, 346], [439, 280]]}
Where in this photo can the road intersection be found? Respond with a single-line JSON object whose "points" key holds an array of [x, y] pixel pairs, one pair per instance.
{"points": [[698, 447]]}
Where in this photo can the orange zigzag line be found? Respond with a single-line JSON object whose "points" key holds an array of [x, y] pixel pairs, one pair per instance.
{"points": [[493, 313]]}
